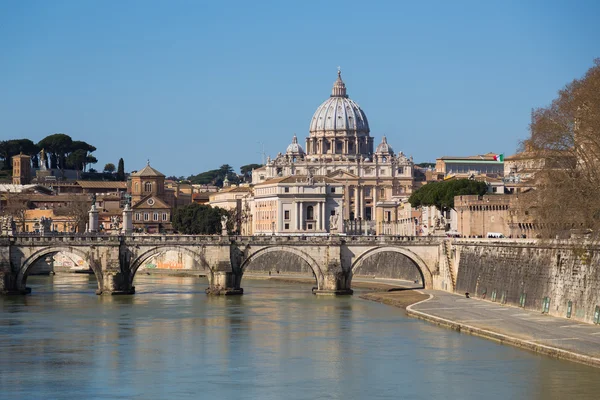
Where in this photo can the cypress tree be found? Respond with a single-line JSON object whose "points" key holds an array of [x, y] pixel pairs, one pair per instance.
{"points": [[121, 170]]}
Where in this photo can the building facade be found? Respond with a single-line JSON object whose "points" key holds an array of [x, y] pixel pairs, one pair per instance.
{"points": [[339, 147], [151, 209], [298, 205]]}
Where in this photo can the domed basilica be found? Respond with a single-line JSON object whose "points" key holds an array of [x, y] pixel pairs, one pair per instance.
{"points": [[339, 148]]}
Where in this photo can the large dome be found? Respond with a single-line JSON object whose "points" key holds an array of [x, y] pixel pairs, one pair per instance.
{"points": [[339, 114]]}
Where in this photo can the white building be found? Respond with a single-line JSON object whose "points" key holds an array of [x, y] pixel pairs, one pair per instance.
{"points": [[297, 205]]}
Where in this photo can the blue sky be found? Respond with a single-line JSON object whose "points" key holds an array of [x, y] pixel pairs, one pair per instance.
{"points": [[192, 85]]}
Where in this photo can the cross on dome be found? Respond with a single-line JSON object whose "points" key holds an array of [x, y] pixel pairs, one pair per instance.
{"points": [[339, 87]]}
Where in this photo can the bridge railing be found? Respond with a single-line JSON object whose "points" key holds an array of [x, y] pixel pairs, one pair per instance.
{"points": [[163, 239]]}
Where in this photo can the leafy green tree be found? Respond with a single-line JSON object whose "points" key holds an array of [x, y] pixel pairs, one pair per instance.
{"points": [[121, 170], [58, 145], [246, 171], [441, 194], [10, 148], [215, 176], [77, 159], [110, 168], [198, 219]]}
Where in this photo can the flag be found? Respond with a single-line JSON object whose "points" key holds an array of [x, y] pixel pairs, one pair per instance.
{"points": [[499, 157]]}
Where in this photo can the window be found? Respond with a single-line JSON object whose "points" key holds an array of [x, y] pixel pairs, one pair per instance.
{"points": [[148, 186], [286, 190], [137, 216], [146, 217], [156, 216], [287, 226], [332, 190], [286, 214], [400, 170], [367, 192], [164, 216], [309, 212]]}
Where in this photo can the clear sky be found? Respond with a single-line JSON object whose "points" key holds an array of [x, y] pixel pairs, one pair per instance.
{"points": [[192, 85]]}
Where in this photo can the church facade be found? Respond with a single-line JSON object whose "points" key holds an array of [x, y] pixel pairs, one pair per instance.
{"points": [[340, 148]]}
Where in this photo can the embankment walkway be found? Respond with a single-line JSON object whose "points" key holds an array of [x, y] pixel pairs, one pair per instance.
{"points": [[558, 337]]}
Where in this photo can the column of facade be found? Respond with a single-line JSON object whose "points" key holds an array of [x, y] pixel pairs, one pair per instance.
{"points": [[361, 205], [356, 202], [318, 215], [300, 204], [279, 224], [322, 220], [295, 212], [374, 211]]}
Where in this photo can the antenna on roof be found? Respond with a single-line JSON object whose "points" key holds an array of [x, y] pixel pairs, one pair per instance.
{"points": [[262, 152]]}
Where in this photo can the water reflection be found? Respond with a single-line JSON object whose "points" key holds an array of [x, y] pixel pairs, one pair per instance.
{"points": [[278, 341]]}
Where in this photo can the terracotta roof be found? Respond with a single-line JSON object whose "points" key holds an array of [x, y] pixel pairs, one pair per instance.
{"points": [[236, 189], [147, 171], [59, 197], [102, 185], [482, 157]]}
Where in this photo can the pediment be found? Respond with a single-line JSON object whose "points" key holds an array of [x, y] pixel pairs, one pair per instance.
{"points": [[341, 174], [150, 202]]}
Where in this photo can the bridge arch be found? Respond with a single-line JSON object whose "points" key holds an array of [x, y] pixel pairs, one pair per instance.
{"points": [[422, 267], [305, 257], [137, 262], [29, 261]]}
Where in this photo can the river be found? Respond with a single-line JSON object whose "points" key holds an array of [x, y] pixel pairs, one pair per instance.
{"points": [[277, 341]]}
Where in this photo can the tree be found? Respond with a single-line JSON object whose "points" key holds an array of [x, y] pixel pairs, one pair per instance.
{"points": [[566, 136], [58, 145], [441, 194], [215, 176], [10, 148], [77, 209], [246, 171], [121, 170], [198, 219], [110, 168], [77, 159], [16, 207]]}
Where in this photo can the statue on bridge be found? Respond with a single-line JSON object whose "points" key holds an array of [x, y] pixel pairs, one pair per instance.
{"points": [[224, 225]]}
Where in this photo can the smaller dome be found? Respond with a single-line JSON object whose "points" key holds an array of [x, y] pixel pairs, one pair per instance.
{"points": [[294, 148], [384, 147]]}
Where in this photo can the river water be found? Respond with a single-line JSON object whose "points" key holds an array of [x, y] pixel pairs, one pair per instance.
{"points": [[277, 341]]}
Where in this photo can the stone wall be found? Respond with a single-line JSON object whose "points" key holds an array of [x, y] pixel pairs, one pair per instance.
{"points": [[562, 272], [389, 265], [282, 261]]}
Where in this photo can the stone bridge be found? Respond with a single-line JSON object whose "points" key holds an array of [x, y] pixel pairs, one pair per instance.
{"points": [[116, 259]]}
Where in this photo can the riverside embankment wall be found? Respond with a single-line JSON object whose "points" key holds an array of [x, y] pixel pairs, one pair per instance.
{"points": [[526, 273]]}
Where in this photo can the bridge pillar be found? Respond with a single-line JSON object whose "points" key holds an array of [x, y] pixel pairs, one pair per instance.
{"points": [[113, 282], [8, 284], [224, 283], [226, 275], [335, 281], [8, 278]]}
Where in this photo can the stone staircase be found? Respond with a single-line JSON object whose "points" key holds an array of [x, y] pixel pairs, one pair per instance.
{"points": [[447, 249]]}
